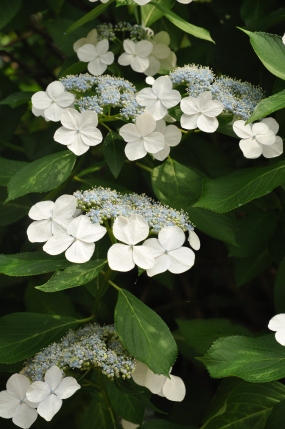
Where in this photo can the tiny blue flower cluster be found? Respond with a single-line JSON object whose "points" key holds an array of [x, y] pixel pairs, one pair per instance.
{"points": [[91, 346], [239, 98], [103, 203], [109, 91]]}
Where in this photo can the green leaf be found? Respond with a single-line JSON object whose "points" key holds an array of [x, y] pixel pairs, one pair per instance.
{"points": [[270, 50], [277, 416], [8, 10], [114, 154], [71, 66], [144, 334], [279, 289], [163, 424], [76, 275], [267, 106], [247, 406], [42, 175], [200, 334], [8, 168], [12, 212], [38, 302], [238, 188], [150, 13], [96, 414], [89, 16], [24, 334], [256, 360], [245, 269], [18, 98], [31, 264], [185, 26]]}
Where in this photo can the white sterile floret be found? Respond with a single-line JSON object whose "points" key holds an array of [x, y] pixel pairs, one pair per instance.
{"points": [[50, 218], [172, 137], [171, 388], [160, 52], [124, 257], [49, 393], [136, 55], [259, 138], [201, 112], [158, 99], [168, 252], [141, 137], [128, 425], [79, 131], [277, 323], [78, 240], [14, 403], [90, 39], [194, 240], [98, 57], [52, 102]]}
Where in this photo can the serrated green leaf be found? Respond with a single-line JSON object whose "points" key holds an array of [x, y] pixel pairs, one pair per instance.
{"points": [[8, 168], [268, 105], [185, 26], [42, 175], [31, 264], [200, 334], [144, 334], [277, 416], [270, 50], [8, 10], [89, 16], [257, 360], [113, 149], [18, 98], [76, 275], [24, 334], [245, 269], [229, 192]]}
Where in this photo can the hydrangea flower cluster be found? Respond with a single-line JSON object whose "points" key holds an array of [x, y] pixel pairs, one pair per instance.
{"points": [[103, 203], [90, 347]]}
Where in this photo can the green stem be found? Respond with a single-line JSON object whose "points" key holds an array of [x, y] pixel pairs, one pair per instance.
{"points": [[13, 146], [144, 167], [106, 398], [110, 232], [104, 125], [114, 285], [88, 319]]}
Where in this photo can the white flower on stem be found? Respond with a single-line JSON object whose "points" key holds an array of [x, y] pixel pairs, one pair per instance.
{"points": [[194, 240], [124, 257], [158, 99], [136, 55], [52, 102], [172, 137], [14, 403], [91, 39], [49, 393], [201, 112], [98, 57], [78, 241], [50, 218], [277, 323], [141, 137], [259, 138], [160, 52], [168, 252], [171, 388], [79, 131]]}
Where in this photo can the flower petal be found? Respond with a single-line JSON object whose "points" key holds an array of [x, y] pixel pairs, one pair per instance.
{"points": [[25, 416], [67, 388], [171, 237], [189, 106], [41, 100], [273, 150], [277, 322], [280, 336], [139, 64], [38, 391], [181, 260], [49, 407], [70, 119], [189, 122], [143, 376], [40, 231], [53, 377], [78, 147], [129, 46], [194, 240], [130, 230], [65, 206], [207, 124], [242, 130], [143, 257], [144, 48], [213, 109], [153, 67], [120, 257], [161, 264], [80, 252], [174, 389], [96, 67], [42, 210], [91, 137], [162, 154], [65, 99], [107, 58], [154, 142], [129, 132], [135, 150], [8, 405], [250, 148], [102, 47], [155, 246], [87, 53], [145, 124], [65, 136], [266, 139], [172, 135], [55, 89], [17, 385], [53, 112], [58, 243], [125, 59], [82, 229], [272, 124]]}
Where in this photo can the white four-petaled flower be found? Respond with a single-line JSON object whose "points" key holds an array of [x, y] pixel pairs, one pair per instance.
{"points": [[169, 252], [79, 131], [259, 138], [201, 112], [98, 57], [277, 323], [136, 55], [91, 39], [14, 403], [50, 218], [124, 257], [51, 103], [141, 137], [158, 99], [77, 241], [161, 56], [171, 388], [49, 393], [172, 137]]}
